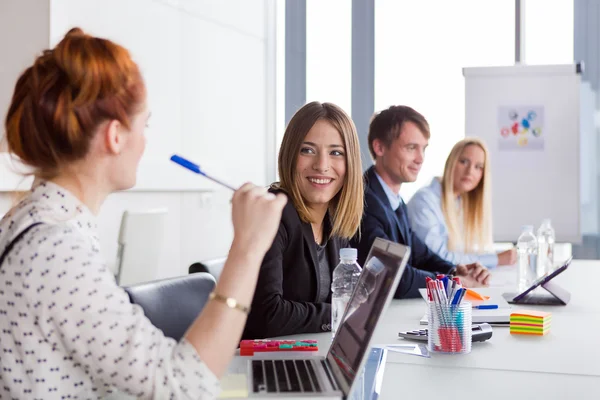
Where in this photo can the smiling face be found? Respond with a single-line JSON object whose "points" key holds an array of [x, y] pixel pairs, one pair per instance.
{"points": [[402, 160], [321, 165], [468, 169]]}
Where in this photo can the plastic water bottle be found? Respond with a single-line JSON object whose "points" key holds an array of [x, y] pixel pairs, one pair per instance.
{"points": [[345, 277], [546, 239], [527, 251]]}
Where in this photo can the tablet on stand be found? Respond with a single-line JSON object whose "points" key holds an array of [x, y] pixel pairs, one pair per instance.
{"points": [[554, 295]]}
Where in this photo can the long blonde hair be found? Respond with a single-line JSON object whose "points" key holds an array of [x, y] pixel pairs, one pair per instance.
{"points": [[346, 208], [476, 205]]}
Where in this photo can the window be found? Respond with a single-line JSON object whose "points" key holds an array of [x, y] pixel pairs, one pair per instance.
{"points": [[548, 33], [280, 122], [329, 52], [420, 50]]}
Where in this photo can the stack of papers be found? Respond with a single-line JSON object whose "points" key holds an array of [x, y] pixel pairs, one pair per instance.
{"points": [[493, 296], [527, 322]]}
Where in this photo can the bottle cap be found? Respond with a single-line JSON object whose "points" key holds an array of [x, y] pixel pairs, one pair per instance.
{"points": [[527, 228], [349, 253]]}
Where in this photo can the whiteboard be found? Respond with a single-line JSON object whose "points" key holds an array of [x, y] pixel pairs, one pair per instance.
{"points": [[533, 179]]}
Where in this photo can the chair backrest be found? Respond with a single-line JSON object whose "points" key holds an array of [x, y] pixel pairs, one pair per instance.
{"points": [[214, 266], [141, 244], [173, 304]]}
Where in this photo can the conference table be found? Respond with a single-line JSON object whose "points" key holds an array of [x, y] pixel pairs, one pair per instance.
{"points": [[564, 364]]}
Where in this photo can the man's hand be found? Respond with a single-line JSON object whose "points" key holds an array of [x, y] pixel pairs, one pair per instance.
{"points": [[473, 275], [470, 282]]}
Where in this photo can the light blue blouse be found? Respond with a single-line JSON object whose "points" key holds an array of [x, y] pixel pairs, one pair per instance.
{"points": [[427, 221]]}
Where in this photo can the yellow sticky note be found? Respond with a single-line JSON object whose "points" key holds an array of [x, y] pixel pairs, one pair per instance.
{"points": [[234, 386]]}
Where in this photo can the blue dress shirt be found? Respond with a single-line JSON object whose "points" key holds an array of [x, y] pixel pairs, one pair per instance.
{"points": [[394, 198], [428, 223]]}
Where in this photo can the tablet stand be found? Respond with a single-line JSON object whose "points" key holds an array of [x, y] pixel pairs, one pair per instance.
{"points": [[561, 295], [558, 296]]}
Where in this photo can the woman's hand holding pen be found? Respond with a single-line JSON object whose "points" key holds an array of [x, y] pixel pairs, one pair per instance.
{"points": [[256, 214], [216, 333]]}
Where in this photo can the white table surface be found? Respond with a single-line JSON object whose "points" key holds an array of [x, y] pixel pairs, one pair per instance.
{"points": [[565, 364]]}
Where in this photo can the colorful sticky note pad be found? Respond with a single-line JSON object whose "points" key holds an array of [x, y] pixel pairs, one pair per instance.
{"points": [[530, 322]]}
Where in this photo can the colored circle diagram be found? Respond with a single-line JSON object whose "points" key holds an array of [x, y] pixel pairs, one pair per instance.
{"points": [[522, 126]]}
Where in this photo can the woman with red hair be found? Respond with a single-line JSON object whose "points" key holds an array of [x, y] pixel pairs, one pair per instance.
{"points": [[77, 118]]}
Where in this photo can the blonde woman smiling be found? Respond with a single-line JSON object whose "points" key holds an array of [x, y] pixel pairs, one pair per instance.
{"points": [[453, 215]]}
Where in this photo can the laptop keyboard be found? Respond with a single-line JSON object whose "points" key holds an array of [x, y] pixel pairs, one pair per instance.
{"points": [[284, 376]]}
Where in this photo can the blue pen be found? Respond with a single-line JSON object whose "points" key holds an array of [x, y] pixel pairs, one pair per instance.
{"points": [[462, 295], [486, 306], [445, 282], [196, 168], [457, 296]]}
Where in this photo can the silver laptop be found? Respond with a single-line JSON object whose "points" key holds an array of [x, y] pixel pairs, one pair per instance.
{"points": [[334, 376]]}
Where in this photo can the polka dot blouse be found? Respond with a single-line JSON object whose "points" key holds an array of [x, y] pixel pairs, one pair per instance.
{"points": [[68, 330]]}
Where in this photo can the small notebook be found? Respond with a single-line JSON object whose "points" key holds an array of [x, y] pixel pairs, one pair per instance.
{"points": [[233, 386], [499, 316]]}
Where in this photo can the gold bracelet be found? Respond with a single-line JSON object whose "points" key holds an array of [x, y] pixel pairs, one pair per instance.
{"points": [[229, 302]]}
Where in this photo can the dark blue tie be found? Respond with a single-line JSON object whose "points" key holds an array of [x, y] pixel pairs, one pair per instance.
{"points": [[404, 227]]}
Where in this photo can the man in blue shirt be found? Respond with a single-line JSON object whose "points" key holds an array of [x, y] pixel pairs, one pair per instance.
{"points": [[398, 138]]}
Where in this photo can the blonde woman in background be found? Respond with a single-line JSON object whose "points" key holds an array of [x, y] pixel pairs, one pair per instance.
{"points": [[453, 215]]}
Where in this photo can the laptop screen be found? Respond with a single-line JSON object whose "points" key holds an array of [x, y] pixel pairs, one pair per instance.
{"points": [[378, 278]]}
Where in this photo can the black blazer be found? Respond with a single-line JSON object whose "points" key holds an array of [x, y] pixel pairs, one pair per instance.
{"points": [[380, 220], [285, 301]]}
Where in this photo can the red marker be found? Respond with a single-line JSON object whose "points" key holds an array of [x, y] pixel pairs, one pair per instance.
{"points": [[428, 281]]}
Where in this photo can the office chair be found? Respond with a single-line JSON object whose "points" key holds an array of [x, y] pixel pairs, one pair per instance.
{"points": [[141, 243], [173, 304], [214, 266]]}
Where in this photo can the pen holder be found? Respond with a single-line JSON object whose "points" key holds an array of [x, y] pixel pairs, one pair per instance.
{"points": [[449, 328]]}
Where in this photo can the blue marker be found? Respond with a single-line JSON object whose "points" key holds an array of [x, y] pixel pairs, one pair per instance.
{"points": [[196, 169], [486, 306]]}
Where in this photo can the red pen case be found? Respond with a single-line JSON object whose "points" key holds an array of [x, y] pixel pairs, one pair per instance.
{"points": [[249, 347]]}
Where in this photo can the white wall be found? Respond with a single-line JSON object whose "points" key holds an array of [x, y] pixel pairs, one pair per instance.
{"points": [[205, 64], [18, 54]]}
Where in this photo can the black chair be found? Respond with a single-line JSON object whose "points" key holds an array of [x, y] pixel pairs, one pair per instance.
{"points": [[214, 266], [198, 267], [173, 304]]}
